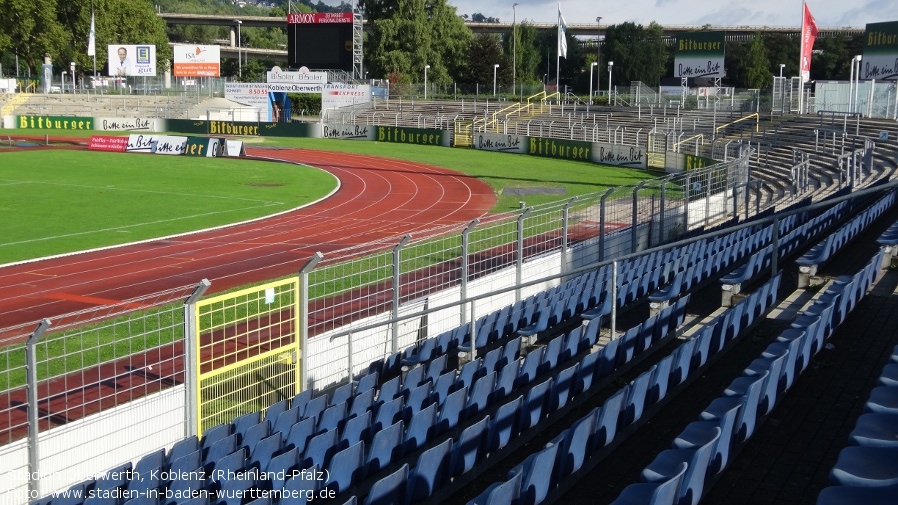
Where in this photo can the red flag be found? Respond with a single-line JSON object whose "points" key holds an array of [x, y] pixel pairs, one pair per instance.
{"points": [[808, 35]]}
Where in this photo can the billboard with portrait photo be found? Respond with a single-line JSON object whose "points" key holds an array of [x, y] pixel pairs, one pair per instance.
{"points": [[132, 60]]}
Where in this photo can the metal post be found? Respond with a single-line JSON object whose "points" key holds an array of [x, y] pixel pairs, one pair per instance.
{"points": [[602, 223], [304, 319], [34, 461], [465, 248], [191, 360], [661, 216], [349, 376], [688, 188], [613, 323], [397, 249], [565, 217], [775, 242], [519, 270], [634, 238]]}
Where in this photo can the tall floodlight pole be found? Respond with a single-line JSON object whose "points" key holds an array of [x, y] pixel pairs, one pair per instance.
{"points": [[239, 51], [495, 71], [610, 67], [591, 67], [514, 36], [857, 80], [782, 66], [598, 52], [425, 80]]}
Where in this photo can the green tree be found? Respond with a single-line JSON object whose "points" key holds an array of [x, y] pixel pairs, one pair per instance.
{"points": [[756, 71], [405, 35], [639, 53], [484, 52], [31, 30]]}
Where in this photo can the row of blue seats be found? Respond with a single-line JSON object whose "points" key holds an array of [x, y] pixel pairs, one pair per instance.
{"points": [[703, 449], [531, 482], [832, 243], [867, 470], [436, 466]]}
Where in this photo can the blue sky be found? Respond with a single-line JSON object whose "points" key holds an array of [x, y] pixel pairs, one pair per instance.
{"points": [[829, 13]]}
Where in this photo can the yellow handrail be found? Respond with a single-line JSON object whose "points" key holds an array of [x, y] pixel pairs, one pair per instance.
{"points": [[752, 115], [697, 135]]}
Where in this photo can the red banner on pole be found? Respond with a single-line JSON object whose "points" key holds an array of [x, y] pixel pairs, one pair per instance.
{"points": [[808, 35], [108, 143], [317, 18]]}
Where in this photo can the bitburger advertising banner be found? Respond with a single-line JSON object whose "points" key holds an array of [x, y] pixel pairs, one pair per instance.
{"points": [[699, 54], [348, 132], [107, 124], [620, 155], [202, 146], [500, 143], [880, 60]]}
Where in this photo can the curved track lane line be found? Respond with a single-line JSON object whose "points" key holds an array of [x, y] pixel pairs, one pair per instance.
{"points": [[378, 198]]}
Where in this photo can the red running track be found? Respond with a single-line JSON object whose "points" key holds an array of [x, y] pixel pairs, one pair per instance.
{"points": [[378, 198]]}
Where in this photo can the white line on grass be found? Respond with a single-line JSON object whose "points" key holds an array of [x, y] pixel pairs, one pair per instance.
{"points": [[191, 195], [135, 225]]}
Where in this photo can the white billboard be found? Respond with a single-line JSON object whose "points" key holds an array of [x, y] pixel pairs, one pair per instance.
{"points": [[303, 76], [196, 61], [334, 96], [253, 94], [128, 60]]}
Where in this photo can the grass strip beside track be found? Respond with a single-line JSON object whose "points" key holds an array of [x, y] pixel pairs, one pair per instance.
{"points": [[62, 201]]}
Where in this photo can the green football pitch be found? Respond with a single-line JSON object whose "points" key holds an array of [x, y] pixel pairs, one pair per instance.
{"points": [[59, 201]]}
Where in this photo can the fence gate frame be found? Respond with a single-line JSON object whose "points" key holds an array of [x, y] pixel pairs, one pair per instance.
{"points": [[244, 347]]}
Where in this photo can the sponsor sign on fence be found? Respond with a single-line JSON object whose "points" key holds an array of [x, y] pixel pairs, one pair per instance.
{"points": [[234, 148], [348, 132], [55, 123], [108, 143], [880, 60], [253, 94], [501, 143], [620, 155], [157, 144], [202, 146], [344, 95], [125, 124], [417, 136], [574, 150]]}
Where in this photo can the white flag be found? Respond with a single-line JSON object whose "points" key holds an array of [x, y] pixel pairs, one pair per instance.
{"points": [[562, 35], [91, 41]]}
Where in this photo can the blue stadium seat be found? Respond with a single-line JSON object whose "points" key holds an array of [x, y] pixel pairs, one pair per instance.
{"points": [[889, 375], [608, 360], [315, 407], [442, 387], [386, 447], [660, 380], [505, 380], [586, 372], [182, 448], [301, 485], [232, 491], [469, 446], [536, 471], [272, 412], [727, 415], [333, 418], [187, 463], [361, 403], [452, 411], [627, 346], [664, 492], [480, 395], [530, 367], [389, 490], [285, 420], [418, 398], [356, 429], [576, 445], [534, 405], [468, 374], [183, 488], [635, 403], [388, 391], [667, 464], [504, 424], [682, 357], [883, 400], [367, 382], [220, 449], [214, 434], [501, 493], [320, 449], [866, 466], [431, 472], [751, 388], [853, 495], [609, 416], [774, 368], [343, 394], [346, 467], [261, 453], [254, 434], [299, 434], [420, 428], [562, 387], [422, 354], [491, 360], [436, 368], [387, 414], [413, 379], [283, 464], [301, 400], [225, 466]]}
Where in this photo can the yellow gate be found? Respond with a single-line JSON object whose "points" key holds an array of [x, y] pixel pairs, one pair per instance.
{"points": [[247, 351]]}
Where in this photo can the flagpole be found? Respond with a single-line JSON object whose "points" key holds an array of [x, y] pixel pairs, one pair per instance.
{"points": [[558, 53], [800, 62]]}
